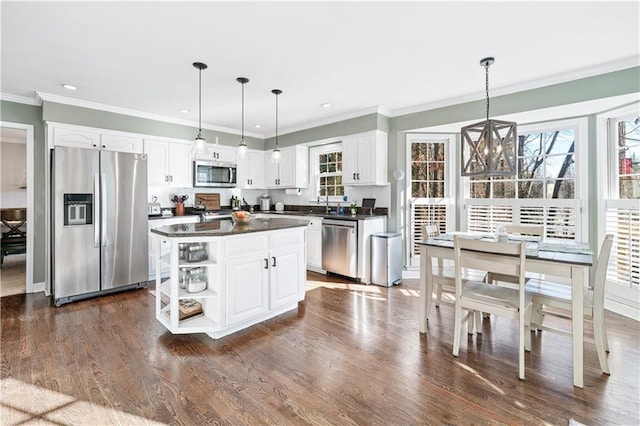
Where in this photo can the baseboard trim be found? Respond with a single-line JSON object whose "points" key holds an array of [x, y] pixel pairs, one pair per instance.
{"points": [[37, 287], [622, 309], [413, 274]]}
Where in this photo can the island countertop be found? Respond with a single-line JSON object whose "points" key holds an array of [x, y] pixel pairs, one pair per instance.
{"points": [[223, 227]]}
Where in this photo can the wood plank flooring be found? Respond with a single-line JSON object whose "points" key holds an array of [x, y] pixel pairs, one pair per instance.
{"points": [[351, 354]]}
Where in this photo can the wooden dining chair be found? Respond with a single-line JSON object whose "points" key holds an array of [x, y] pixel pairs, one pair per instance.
{"points": [[548, 295], [444, 275], [519, 230], [499, 258]]}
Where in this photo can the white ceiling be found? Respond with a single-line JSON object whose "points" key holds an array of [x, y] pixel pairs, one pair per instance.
{"points": [[359, 56]]}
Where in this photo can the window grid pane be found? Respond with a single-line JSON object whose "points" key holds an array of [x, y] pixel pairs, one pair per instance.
{"points": [[427, 170], [330, 174]]}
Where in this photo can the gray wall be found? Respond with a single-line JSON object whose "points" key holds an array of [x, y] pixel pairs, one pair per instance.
{"points": [[29, 114]]}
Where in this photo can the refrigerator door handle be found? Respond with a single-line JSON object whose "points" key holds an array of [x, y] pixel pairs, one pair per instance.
{"points": [[103, 210], [96, 210]]}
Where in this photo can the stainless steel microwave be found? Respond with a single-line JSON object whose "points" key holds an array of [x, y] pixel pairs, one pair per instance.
{"points": [[214, 174]]}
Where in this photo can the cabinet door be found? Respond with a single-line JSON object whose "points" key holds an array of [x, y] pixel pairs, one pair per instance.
{"points": [[247, 282], [271, 172], [314, 248], [121, 143], [349, 160], [256, 169], [284, 276], [287, 168], [76, 138], [180, 165], [251, 170], [366, 173], [157, 162]]}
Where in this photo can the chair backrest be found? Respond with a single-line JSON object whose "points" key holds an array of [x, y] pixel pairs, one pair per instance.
{"points": [[490, 256], [534, 230], [430, 231], [601, 270]]}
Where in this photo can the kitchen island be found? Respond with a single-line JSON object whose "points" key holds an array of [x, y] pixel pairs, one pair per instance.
{"points": [[227, 277]]}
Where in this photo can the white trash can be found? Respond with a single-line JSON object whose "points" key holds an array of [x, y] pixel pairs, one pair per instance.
{"points": [[386, 259]]}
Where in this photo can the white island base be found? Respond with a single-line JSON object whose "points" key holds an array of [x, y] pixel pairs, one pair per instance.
{"points": [[252, 274]]}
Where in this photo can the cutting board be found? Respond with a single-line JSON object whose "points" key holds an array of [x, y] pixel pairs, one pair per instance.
{"points": [[210, 201]]}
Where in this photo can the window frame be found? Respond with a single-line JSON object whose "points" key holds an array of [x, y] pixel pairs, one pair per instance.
{"points": [[580, 128], [619, 297], [314, 153]]}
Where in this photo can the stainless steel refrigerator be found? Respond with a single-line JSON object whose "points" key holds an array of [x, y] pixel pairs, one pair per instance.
{"points": [[99, 216]]}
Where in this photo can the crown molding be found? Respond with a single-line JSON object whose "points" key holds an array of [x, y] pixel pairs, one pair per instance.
{"points": [[630, 62], [333, 119], [20, 99], [141, 114]]}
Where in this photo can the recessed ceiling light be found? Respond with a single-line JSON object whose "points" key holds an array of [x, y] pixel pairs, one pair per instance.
{"points": [[326, 105], [185, 111], [69, 87], [257, 126]]}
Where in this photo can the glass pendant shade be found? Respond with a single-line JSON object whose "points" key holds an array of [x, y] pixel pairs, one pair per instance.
{"points": [[199, 148], [242, 147], [488, 147], [275, 155]]}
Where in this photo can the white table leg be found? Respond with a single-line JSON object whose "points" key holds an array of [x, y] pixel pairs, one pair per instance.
{"points": [[577, 324], [426, 287]]}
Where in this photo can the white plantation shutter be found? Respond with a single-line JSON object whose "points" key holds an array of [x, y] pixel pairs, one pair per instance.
{"points": [[424, 214], [624, 265], [485, 218]]}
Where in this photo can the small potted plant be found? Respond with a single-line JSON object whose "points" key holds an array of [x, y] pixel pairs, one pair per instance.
{"points": [[354, 209], [179, 201]]}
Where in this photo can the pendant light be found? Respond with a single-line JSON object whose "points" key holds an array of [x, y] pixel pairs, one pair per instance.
{"points": [[200, 145], [275, 155], [242, 148], [488, 147]]}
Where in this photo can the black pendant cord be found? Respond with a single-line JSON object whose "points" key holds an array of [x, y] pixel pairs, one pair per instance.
{"points": [[242, 112], [199, 102], [276, 120], [486, 67]]}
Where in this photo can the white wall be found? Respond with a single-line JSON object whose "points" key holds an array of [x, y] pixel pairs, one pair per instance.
{"points": [[13, 175], [382, 194], [164, 194]]}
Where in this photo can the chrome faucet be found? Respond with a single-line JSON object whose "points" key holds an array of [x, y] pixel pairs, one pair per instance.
{"points": [[327, 209]]}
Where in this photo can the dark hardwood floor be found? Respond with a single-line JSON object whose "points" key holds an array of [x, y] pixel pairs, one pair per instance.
{"points": [[351, 354]]}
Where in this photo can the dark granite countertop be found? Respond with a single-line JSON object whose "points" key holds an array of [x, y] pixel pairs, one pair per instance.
{"points": [[327, 216], [222, 227]]}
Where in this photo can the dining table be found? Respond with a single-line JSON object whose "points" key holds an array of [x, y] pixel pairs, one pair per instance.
{"points": [[567, 259]]}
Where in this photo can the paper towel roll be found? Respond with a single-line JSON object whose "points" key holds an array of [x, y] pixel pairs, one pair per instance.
{"points": [[293, 191]]}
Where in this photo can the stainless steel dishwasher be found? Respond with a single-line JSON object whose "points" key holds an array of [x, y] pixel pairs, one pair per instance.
{"points": [[340, 247]]}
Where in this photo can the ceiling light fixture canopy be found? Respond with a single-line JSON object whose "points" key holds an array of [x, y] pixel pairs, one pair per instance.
{"points": [[200, 144], [275, 155], [488, 147], [242, 148]]}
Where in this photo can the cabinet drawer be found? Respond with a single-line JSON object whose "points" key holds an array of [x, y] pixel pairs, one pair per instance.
{"points": [[282, 239], [246, 245]]}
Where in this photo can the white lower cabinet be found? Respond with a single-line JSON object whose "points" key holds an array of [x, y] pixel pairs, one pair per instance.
{"points": [[314, 244], [250, 278]]}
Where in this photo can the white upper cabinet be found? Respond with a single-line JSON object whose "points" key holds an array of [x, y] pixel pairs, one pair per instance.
{"points": [[92, 138], [169, 163], [251, 170], [292, 171], [221, 153], [364, 159]]}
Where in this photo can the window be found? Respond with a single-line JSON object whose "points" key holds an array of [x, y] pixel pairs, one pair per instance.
{"points": [[543, 191], [327, 166], [623, 202], [428, 189]]}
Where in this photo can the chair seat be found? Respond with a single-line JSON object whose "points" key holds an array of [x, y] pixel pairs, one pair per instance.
{"points": [[497, 295], [556, 291]]}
